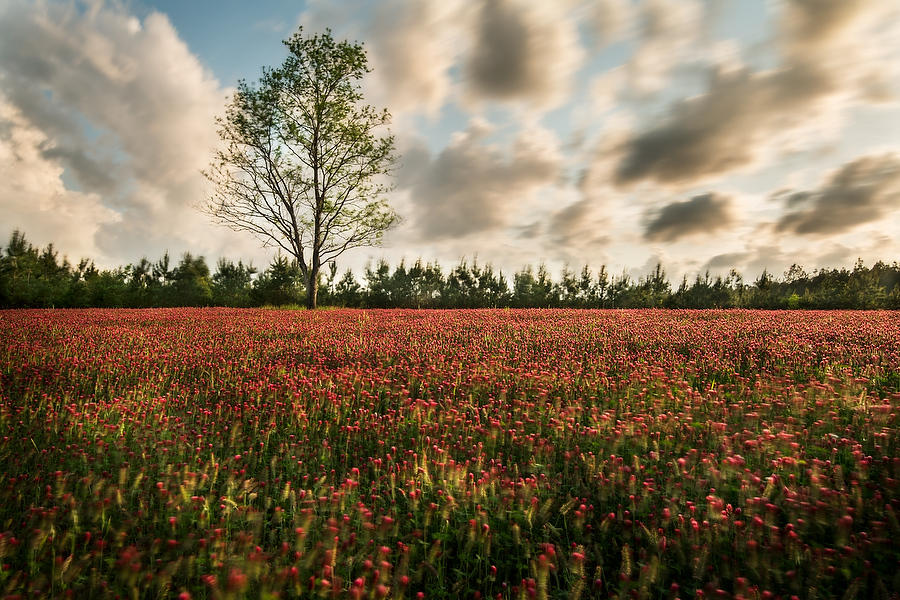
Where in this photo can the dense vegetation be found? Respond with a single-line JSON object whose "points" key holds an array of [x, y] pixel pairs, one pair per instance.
{"points": [[535, 454], [34, 277]]}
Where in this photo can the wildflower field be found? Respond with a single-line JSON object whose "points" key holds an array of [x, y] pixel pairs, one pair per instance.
{"points": [[218, 453]]}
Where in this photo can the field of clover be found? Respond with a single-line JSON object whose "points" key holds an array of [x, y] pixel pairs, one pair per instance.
{"points": [[219, 454]]}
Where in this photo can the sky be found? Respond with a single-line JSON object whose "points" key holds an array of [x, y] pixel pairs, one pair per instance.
{"points": [[702, 134]]}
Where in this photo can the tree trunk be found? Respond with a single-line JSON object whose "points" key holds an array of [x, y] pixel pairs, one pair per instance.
{"points": [[312, 289]]}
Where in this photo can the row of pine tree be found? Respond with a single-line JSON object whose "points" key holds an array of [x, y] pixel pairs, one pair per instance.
{"points": [[31, 277]]}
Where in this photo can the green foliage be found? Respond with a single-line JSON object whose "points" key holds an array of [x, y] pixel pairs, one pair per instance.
{"points": [[32, 277], [191, 285], [304, 161], [231, 283], [348, 292], [277, 285]]}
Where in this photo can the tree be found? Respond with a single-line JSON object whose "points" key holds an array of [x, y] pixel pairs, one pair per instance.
{"points": [[567, 289], [523, 287], [231, 283], [347, 291], [140, 283], [191, 285], [543, 289], [277, 285], [587, 291], [378, 281], [656, 288], [302, 165]]}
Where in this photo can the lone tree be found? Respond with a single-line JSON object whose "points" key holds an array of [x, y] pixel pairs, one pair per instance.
{"points": [[302, 165]]}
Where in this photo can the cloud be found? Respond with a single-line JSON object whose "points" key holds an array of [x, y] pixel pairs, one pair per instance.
{"points": [[609, 20], [413, 47], [597, 177], [667, 32], [92, 172], [567, 225], [577, 226], [472, 186], [415, 43], [125, 116], [604, 91], [33, 197], [776, 257], [862, 191], [810, 24], [745, 115], [529, 231], [703, 214], [724, 129], [756, 259], [726, 260], [425, 53], [858, 39], [522, 52]]}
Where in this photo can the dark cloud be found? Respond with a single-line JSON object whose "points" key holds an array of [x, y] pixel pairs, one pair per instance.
{"points": [[706, 213], [744, 111], [752, 261], [91, 173], [860, 192], [499, 66], [471, 187], [577, 225], [722, 130], [414, 160], [522, 51], [530, 231], [809, 23], [566, 225], [727, 260]]}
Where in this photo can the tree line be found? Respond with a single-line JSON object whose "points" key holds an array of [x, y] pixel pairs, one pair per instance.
{"points": [[33, 277]]}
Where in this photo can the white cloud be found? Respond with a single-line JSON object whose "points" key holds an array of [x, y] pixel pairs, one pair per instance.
{"points": [[667, 35], [473, 186], [125, 111], [610, 20], [34, 198], [414, 45]]}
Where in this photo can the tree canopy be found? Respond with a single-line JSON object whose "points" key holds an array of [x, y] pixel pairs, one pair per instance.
{"points": [[304, 163]]}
